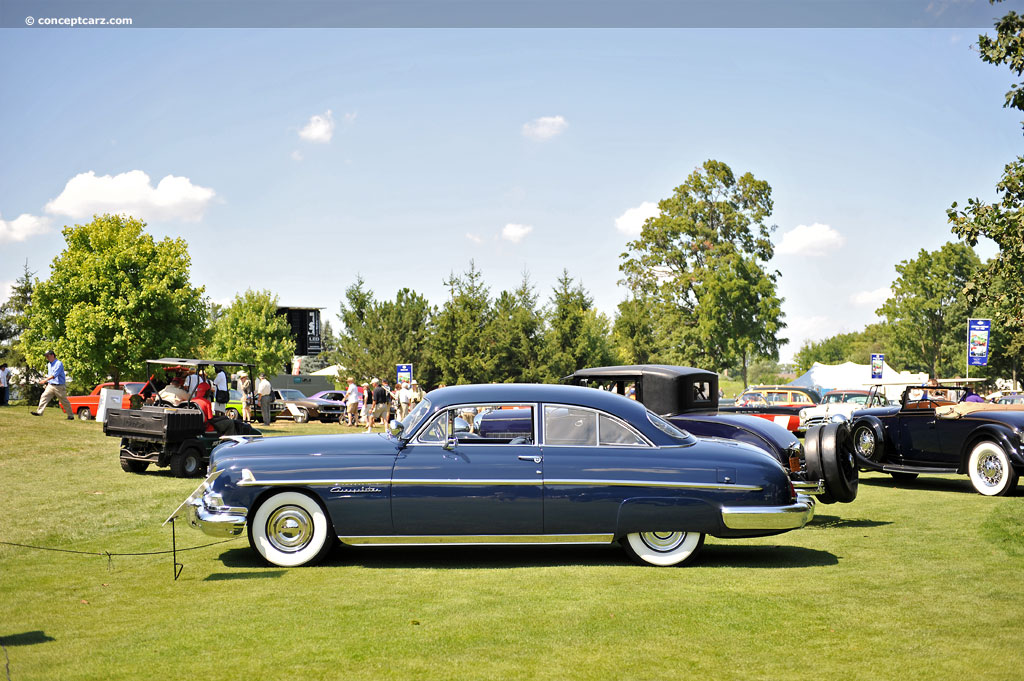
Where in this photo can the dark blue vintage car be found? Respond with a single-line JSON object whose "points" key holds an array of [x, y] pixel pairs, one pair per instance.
{"points": [[496, 464], [688, 397], [932, 430]]}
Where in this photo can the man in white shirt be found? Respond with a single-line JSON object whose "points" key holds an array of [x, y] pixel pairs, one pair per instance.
{"points": [[263, 391], [352, 402], [174, 393], [220, 383], [5, 384], [404, 397]]}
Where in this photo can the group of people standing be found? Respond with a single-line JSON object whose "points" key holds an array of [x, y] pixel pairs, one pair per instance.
{"points": [[372, 402]]}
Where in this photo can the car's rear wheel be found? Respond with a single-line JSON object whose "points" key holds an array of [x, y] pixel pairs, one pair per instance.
{"points": [[231, 413], [301, 416], [186, 463], [663, 549], [84, 414], [903, 477], [990, 470], [290, 529]]}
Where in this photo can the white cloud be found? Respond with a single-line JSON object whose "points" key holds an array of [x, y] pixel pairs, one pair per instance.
{"points": [[631, 223], [174, 198], [872, 299], [515, 233], [22, 227], [5, 290], [474, 238], [320, 128], [810, 240], [545, 127]]}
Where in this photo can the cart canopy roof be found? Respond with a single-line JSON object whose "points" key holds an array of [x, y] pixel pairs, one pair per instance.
{"points": [[181, 361]]}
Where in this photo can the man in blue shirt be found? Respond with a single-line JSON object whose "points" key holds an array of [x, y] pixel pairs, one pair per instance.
{"points": [[56, 386]]}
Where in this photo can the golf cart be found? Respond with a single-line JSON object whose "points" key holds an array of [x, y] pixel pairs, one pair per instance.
{"points": [[165, 433]]}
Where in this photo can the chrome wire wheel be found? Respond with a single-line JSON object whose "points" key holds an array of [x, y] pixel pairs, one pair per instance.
{"points": [[664, 548], [289, 529], [864, 441], [990, 470]]}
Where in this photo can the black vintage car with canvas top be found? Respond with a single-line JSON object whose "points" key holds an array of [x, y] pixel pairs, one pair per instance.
{"points": [[688, 397], [934, 430]]}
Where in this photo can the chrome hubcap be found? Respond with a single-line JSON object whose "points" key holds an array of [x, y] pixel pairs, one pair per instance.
{"points": [[663, 541], [289, 529], [865, 442], [990, 470]]}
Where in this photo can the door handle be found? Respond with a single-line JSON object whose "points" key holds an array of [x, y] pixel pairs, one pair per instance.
{"points": [[530, 457]]}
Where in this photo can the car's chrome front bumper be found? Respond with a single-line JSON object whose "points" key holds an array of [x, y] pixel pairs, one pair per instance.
{"points": [[218, 521], [205, 511], [788, 517]]}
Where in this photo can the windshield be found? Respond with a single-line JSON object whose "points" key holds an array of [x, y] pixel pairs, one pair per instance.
{"points": [[414, 416], [291, 395]]}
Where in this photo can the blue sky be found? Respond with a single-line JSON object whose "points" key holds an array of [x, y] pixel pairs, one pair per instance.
{"points": [[519, 149]]}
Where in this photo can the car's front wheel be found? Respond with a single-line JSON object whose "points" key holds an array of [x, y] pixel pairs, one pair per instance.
{"points": [[302, 415], [990, 469], [231, 413], [663, 549], [290, 529]]}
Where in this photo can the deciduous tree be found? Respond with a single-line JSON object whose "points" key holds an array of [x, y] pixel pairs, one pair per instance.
{"points": [[250, 330], [114, 298]]}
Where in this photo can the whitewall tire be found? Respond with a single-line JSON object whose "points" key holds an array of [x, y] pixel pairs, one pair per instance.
{"points": [[290, 529], [990, 469], [663, 549]]}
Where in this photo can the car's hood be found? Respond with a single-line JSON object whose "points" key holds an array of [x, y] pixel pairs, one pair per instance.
{"points": [[303, 446]]}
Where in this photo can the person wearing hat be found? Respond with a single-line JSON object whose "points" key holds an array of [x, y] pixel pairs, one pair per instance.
{"points": [[245, 387], [174, 393], [417, 394], [263, 393], [56, 386], [219, 391]]}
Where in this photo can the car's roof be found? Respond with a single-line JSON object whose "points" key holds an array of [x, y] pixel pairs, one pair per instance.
{"points": [[533, 392], [851, 391], [637, 370], [798, 388]]}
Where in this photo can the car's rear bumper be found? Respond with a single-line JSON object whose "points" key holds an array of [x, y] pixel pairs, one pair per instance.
{"points": [[789, 517]]}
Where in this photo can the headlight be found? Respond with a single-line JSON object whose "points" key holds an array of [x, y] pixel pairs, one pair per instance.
{"points": [[837, 418], [803, 414]]}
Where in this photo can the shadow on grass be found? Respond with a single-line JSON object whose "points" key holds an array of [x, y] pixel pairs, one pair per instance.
{"points": [[833, 522], [747, 556], [229, 576], [26, 638], [957, 485]]}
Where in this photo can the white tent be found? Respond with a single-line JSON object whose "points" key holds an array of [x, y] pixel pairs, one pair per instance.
{"points": [[848, 375], [333, 370]]}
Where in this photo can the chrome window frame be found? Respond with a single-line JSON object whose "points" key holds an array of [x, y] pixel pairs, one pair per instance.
{"points": [[597, 429], [454, 407]]}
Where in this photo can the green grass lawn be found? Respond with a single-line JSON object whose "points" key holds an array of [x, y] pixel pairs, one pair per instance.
{"points": [[916, 582]]}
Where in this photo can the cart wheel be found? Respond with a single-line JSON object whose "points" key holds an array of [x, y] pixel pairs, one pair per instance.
{"points": [[132, 466], [187, 463]]}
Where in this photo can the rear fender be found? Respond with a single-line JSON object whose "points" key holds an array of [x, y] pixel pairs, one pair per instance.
{"points": [[652, 514], [999, 434]]}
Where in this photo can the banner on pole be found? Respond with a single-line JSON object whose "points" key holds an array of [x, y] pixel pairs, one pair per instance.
{"points": [[877, 363], [978, 333]]}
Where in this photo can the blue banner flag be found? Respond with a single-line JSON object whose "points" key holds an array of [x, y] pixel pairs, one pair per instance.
{"points": [[978, 332], [877, 363]]}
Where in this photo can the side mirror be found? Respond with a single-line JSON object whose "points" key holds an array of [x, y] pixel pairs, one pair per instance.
{"points": [[396, 427], [450, 443]]}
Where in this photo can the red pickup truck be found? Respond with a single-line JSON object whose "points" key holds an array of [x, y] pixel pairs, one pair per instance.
{"points": [[86, 406]]}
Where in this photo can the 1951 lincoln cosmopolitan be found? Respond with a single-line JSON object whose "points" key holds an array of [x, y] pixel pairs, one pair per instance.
{"points": [[497, 464]]}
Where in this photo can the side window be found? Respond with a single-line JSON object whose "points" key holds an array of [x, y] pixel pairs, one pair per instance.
{"points": [[801, 398], [479, 424], [570, 426], [613, 432]]}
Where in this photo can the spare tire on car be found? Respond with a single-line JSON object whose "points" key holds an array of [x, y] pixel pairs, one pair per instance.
{"points": [[828, 451]]}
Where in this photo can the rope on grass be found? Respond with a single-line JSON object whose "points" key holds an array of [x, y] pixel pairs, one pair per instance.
{"points": [[110, 554]]}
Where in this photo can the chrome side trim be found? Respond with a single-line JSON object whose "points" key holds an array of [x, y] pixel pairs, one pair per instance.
{"points": [[788, 517], [486, 539], [513, 482]]}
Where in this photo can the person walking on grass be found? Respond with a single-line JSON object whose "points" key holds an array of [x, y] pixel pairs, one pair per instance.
{"points": [[378, 405], [5, 385], [56, 386], [352, 403]]}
